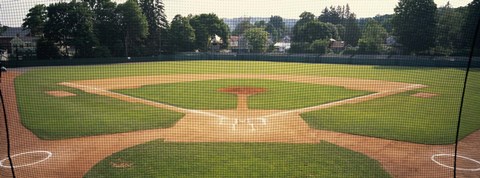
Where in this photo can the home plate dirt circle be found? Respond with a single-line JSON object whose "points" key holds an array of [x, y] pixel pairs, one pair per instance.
{"points": [[26, 159]]}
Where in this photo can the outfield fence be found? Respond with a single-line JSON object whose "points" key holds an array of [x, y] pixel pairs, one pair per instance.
{"points": [[383, 60]]}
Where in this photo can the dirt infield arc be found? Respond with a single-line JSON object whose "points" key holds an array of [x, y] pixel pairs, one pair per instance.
{"points": [[240, 120], [74, 157]]}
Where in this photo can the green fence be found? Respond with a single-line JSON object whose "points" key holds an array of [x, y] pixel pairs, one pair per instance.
{"points": [[384, 60]]}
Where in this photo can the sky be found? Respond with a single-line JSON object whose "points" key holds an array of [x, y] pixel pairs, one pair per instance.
{"points": [[13, 11]]}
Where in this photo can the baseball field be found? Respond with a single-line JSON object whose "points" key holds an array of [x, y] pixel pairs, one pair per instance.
{"points": [[240, 119]]}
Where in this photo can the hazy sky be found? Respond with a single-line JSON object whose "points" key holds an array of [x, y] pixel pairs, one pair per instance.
{"points": [[13, 11]]}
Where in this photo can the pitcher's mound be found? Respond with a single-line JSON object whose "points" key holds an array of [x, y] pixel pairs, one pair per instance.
{"points": [[424, 95], [60, 93], [242, 90]]}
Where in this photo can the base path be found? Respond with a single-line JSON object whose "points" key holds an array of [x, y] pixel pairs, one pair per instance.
{"points": [[74, 157]]}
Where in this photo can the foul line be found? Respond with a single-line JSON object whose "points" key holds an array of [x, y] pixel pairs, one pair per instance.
{"points": [[351, 101], [221, 118], [138, 100]]}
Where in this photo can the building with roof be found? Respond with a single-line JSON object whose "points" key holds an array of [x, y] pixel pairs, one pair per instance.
{"points": [[282, 47], [336, 46], [239, 44], [18, 43]]}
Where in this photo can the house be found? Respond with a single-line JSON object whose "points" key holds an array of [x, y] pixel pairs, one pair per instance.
{"points": [[393, 46], [239, 44], [216, 42], [233, 42], [391, 41], [18, 42], [282, 47], [287, 39], [336, 46], [3, 55]]}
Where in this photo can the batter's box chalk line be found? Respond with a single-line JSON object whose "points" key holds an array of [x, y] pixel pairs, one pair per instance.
{"points": [[234, 122], [433, 158], [47, 153]]}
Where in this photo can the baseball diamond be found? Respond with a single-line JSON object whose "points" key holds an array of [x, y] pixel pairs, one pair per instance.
{"points": [[229, 118]]}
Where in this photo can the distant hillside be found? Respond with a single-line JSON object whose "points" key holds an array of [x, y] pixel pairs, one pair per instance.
{"points": [[232, 22]]}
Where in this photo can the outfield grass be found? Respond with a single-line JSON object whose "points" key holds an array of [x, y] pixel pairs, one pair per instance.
{"points": [[205, 95], [398, 117], [406, 118], [238, 160]]}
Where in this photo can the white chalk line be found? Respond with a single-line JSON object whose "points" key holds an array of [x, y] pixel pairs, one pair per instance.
{"points": [[153, 103], [48, 153], [341, 102], [221, 118], [263, 119], [452, 155]]}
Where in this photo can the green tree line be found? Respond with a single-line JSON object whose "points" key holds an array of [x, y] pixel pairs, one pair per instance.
{"points": [[102, 28], [417, 27]]}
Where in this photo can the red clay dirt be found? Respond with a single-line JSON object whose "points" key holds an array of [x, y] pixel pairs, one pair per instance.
{"points": [[242, 95], [60, 93], [74, 157], [242, 90], [424, 95]]}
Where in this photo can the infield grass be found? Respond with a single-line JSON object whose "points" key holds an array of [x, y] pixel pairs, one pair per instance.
{"points": [[398, 117], [237, 160], [280, 95]]}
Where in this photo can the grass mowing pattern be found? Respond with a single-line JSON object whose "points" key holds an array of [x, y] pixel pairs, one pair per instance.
{"points": [[159, 159], [403, 117], [279, 95], [431, 120], [86, 114]]}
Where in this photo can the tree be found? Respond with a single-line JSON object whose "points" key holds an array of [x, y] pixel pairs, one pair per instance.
{"points": [[341, 15], [310, 31], [106, 26], [260, 24], [305, 17], [257, 38], [319, 46], [154, 11], [316, 30], [333, 15], [35, 20], [182, 34], [55, 27], [2, 28], [414, 24], [385, 21], [243, 26], [341, 31], [373, 38], [448, 32], [133, 24], [276, 28], [469, 26], [207, 26], [352, 31], [71, 25], [80, 19], [47, 49]]}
